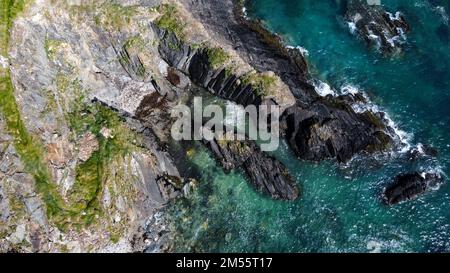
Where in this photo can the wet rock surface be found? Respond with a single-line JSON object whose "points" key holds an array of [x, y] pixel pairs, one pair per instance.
{"points": [[410, 186], [323, 132], [266, 173], [316, 127], [376, 26]]}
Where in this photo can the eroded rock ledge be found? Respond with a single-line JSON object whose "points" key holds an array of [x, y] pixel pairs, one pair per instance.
{"points": [[266, 173], [316, 127]]}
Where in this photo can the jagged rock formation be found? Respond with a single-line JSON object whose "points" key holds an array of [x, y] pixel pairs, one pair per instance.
{"points": [[266, 173], [88, 181], [376, 26], [410, 186], [96, 179], [316, 127], [324, 131]]}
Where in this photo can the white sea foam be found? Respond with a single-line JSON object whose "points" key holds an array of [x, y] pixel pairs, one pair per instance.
{"points": [[437, 170], [374, 246], [361, 107], [352, 27], [244, 12], [441, 11], [375, 38], [420, 148], [395, 17], [391, 40], [323, 89], [401, 32], [349, 89], [302, 50]]}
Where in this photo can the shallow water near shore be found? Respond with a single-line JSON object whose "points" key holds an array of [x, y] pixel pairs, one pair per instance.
{"points": [[340, 209]]}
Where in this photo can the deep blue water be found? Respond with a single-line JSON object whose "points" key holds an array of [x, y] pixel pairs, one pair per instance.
{"points": [[340, 209]]}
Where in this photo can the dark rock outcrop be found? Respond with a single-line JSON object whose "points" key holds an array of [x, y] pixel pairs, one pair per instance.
{"points": [[316, 127], [379, 28], [196, 64], [423, 151], [410, 186], [325, 131], [266, 173]]}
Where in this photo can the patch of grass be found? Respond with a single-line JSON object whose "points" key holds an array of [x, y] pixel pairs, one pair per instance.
{"points": [[170, 21], [262, 83], [115, 234], [217, 57], [84, 205], [228, 71], [28, 148], [16, 206], [51, 105], [115, 16], [136, 43], [9, 9], [91, 175], [51, 48]]}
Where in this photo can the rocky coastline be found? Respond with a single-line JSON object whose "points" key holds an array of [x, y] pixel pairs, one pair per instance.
{"points": [[90, 80]]}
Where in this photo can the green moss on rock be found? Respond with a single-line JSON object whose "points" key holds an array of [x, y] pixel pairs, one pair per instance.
{"points": [[114, 16], [51, 48], [262, 83], [169, 20], [217, 57]]}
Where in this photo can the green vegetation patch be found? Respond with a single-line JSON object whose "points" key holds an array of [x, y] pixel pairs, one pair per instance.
{"points": [[262, 83], [9, 9], [170, 20], [28, 148], [83, 205], [114, 16], [217, 57], [51, 47], [136, 43], [90, 175]]}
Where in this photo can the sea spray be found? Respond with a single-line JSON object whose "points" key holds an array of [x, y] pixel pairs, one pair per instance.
{"points": [[403, 137]]}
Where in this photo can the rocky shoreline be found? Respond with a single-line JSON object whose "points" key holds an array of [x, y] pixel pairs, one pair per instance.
{"points": [[316, 127], [95, 86]]}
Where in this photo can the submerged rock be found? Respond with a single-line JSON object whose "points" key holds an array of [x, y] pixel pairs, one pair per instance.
{"points": [[410, 186], [379, 28], [423, 151]]}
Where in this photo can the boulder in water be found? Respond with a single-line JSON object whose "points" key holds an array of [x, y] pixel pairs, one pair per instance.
{"points": [[376, 26], [410, 186]]}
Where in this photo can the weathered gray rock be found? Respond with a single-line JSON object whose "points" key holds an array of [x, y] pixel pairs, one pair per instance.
{"points": [[196, 64], [332, 129], [58, 57]]}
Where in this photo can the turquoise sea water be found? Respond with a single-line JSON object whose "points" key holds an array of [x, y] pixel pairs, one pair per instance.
{"points": [[340, 209]]}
